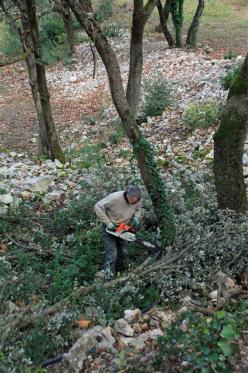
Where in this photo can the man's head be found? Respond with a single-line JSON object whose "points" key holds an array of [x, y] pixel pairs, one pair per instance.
{"points": [[133, 194]]}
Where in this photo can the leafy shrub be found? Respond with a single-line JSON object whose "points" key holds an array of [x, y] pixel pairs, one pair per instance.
{"points": [[157, 96], [202, 115], [230, 55], [10, 44], [226, 80], [112, 30], [117, 135], [206, 345], [52, 34], [106, 10]]}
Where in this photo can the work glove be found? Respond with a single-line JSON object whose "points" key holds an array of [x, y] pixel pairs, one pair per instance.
{"points": [[111, 226], [135, 222]]}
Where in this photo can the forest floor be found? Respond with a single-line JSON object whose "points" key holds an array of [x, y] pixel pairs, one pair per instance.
{"points": [[46, 251]]}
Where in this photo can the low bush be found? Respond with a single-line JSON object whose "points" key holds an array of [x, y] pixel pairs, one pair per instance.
{"points": [[10, 44], [157, 96], [105, 10], [206, 344], [226, 80], [202, 115], [230, 55]]}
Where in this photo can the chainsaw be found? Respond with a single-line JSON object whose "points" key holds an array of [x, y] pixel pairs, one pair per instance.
{"points": [[128, 233]]}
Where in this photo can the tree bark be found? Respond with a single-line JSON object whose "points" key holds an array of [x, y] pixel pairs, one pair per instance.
{"points": [[43, 147], [142, 149], [193, 29], [55, 151], [62, 8], [163, 16], [177, 17], [229, 142]]}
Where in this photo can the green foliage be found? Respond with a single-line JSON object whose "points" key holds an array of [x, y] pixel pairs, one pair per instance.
{"points": [[227, 80], [90, 156], [10, 44], [112, 30], [118, 134], [202, 115], [230, 55], [105, 10], [205, 346], [157, 96], [52, 35]]}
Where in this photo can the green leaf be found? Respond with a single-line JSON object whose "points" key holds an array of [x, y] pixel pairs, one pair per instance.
{"points": [[227, 348], [220, 314], [205, 370], [228, 332], [214, 357]]}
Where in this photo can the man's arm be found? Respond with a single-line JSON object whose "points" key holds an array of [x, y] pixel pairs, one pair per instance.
{"points": [[100, 209]]}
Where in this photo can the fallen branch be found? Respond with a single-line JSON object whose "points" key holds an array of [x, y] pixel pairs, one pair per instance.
{"points": [[22, 57]]}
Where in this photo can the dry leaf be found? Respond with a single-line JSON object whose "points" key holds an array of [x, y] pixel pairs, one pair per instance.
{"points": [[83, 324]]}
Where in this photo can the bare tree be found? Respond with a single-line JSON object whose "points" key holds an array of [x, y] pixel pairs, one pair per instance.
{"points": [[164, 16], [126, 108], [229, 142]]}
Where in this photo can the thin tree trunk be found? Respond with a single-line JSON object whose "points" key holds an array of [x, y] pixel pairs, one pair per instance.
{"points": [[163, 16], [63, 9], [193, 29], [177, 17], [55, 151], [229, 142], [136, 58], [43, 147], [142, 149]]}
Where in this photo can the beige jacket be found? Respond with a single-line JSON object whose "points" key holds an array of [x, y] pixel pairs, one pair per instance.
{"points": [[114, 208]]}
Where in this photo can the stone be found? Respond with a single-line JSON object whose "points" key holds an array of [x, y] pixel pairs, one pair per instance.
{"points": [[38, 184], [53, 196], [12, 308], [137, 328], [26, 195], [213, 295], [3, 210], [150, 334], [6, 199], [163, 318], [122, 327], [58, 163], [144, 327], [132, 315]]}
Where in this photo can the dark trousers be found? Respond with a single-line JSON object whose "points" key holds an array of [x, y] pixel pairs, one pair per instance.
{"points": [[114, 248]]}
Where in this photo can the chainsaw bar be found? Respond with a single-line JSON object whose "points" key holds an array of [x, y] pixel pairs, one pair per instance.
{"points": [[127, 236]]}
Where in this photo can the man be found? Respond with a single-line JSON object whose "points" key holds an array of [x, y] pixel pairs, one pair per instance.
{"points": [[119, 207]]}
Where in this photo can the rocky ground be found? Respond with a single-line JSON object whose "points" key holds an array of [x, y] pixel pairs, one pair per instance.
{"points": [[84, 114]]}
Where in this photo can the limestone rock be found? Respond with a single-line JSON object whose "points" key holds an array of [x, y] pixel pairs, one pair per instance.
{"points": [[38, 184], [122, 327], [6, 199], [132, 315]]}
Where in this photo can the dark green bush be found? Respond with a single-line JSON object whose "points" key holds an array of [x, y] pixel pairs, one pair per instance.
{"points": [[157, 96], [10, 44], [227, 79], [105, 10], [230, 55]]}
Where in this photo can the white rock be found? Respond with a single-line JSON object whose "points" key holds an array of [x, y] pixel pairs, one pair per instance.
{"points": [[122, 327], [53, 196], [3, 210], [38, 184], [213, 295], [132, 315], [58, 163], [6, 199]]}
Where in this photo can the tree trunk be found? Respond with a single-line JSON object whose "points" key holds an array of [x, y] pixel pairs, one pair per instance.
{"points": [[30, 62], [55, 151], [62, 8], [177, 17], [193, 29], [163, 16], [142, 149], [229, 142]]}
